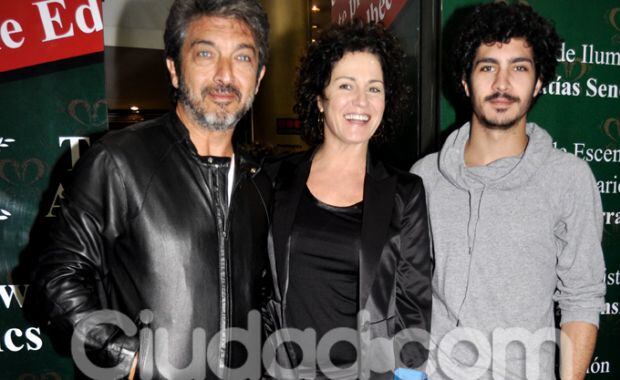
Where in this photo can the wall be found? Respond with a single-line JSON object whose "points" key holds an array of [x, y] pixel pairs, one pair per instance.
{"points": [[134, 59], [287, 41]]}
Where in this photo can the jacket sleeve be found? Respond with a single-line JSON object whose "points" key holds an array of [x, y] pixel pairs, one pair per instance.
{"points": [[580, 266], [67, 284], [413, 284]]}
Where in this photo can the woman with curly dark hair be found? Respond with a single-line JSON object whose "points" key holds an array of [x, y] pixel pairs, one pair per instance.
{"points": [[350, 243]]}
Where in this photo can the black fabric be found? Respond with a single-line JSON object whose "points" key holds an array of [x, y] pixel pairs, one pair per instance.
{"points": [[322, 294], [139, 229], [394, 262], [215, 171]]}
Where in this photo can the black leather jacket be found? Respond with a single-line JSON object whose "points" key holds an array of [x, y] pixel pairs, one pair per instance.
{"points": [[139, 230]]}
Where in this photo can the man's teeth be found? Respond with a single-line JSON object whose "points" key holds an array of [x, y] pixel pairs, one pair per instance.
{"points": [[358, 117]]}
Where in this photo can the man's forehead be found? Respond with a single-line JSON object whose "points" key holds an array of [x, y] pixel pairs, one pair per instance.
{"points": [[218, 29], [518, 46]]}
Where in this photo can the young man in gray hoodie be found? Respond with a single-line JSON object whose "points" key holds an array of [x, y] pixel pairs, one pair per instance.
{"points": [[516, 224]]}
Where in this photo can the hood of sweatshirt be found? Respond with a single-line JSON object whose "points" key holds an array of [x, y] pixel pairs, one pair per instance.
{"points": [[506, 173]]}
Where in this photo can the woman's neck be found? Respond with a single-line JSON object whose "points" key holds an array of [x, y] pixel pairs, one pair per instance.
{"points": [[344, 159]]}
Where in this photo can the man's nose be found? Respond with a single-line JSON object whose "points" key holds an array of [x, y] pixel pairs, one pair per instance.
{"points": [[502, 80], [223, 72]]}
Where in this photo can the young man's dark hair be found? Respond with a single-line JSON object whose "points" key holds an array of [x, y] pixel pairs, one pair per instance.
{"points": [[500, 22]]}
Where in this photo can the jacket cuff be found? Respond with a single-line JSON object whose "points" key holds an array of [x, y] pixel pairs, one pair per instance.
{"points": [[123, 350], [591, 316]]}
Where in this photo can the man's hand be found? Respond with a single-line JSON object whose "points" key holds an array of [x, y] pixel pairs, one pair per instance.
{"points": [[576, 347]]}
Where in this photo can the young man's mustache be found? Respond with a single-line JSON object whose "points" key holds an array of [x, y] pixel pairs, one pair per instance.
{"points": [[499, 95]]}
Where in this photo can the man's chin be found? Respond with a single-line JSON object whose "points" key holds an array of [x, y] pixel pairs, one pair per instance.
{"points": [[217, 121], [224, 111], [217, 124], [499, 123]]}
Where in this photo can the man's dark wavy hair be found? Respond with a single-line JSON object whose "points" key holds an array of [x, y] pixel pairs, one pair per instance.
{"points": [[314, 74], [500, 22], [183, 12]]}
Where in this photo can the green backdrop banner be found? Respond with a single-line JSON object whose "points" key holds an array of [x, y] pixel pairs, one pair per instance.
{"points": [[49, 115], [581, 110], [46, 121]]}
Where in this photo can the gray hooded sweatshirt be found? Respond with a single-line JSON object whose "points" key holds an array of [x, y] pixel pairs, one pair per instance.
{"points": [[510, 238]]}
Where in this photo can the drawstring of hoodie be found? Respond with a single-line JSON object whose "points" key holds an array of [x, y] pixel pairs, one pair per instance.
{"points": [[472, 229]]}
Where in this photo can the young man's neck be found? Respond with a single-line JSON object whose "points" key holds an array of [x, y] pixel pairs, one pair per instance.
{"points": [[207, 142], [486, 145]]}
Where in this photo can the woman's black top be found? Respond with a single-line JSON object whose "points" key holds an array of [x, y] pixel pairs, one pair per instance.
{"points": [[323, 278]]}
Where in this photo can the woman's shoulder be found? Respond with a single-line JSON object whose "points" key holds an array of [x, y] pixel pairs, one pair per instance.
{"points": [[406, 185], [403, 178], [409, 188], [274, 165], [409, 185]]}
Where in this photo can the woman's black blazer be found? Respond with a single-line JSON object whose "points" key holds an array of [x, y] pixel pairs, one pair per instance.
{"points": [[394, 261]]}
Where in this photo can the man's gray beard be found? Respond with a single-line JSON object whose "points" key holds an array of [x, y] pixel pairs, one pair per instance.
{"points": [[210, 120]]}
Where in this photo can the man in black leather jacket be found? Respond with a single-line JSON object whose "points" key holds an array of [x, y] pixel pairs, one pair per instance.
{"points": [[164, 222]]}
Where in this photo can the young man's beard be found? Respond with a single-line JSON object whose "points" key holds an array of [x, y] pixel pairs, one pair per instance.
{"points": [[217, 121]]}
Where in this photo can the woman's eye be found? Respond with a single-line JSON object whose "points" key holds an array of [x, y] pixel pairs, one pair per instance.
{"points": [[375, 90], [345, 86]]}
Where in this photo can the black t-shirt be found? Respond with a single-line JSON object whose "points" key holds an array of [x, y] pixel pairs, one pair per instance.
{"points": [[323, 278]]}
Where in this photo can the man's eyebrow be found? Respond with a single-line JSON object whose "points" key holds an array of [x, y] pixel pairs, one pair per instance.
{"points": [[485, 60], [247, 46], [211, 43], [495, 61], [522, 59], [201, 42]]}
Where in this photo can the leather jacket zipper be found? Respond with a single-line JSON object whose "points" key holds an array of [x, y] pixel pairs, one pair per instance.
{"points": [[224, 278], [223, 226]]}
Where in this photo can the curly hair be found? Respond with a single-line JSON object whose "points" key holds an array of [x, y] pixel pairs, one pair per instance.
{"points": [[315, 69], [500, 22]]}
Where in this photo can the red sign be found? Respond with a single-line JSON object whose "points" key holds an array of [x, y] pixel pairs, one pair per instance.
{"points": [[288, 126], [38, 31], [367, 10]]}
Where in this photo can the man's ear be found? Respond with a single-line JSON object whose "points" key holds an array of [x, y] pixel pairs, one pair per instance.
{"points": [[465, 86], [261, 74], [173, 72], [537, 87]]}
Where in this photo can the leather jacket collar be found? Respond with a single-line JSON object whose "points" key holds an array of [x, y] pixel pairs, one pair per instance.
{"points": [[244, 163]]}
